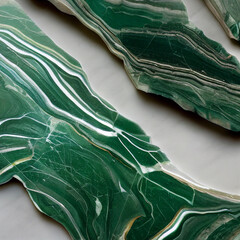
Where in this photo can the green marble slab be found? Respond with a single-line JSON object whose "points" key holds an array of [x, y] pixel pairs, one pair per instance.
{"points": [[81, 162], [165, 54], [228, 14]]}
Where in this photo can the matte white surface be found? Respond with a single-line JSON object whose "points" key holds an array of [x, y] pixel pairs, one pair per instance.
{"points": [[207, 153]]}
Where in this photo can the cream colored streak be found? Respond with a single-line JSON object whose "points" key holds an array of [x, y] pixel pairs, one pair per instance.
{"points": [[62, 6], [6, 2], [177, 221], [138, 4], [18, 136], [13, 149], [193, 44], [220, 19], [2, 171]]}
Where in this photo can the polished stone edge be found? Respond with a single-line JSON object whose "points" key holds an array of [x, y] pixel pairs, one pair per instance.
{"points": [[220, 17]]}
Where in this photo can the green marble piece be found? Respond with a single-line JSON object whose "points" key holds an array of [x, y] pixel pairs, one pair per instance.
{"points": [[81, 162], [165, 54], [228, 14]]}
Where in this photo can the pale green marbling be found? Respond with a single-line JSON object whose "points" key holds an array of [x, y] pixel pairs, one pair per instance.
{"points": [[81, 162]]}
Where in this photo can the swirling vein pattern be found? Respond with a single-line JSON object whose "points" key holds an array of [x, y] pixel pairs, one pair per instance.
{"points": [[81, 162], [227, 13], [166, 55]]}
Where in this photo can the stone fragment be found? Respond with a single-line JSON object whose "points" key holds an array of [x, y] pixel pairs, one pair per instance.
{"points": [[82, 163], [165, 54], [227, 13]]}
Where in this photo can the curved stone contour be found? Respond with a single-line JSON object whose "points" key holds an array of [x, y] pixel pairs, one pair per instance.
{"points": [[164, 54], [227, 13], [81, 162]]}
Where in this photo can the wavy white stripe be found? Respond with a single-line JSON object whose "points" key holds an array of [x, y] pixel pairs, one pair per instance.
{"points": [[179, 219]]}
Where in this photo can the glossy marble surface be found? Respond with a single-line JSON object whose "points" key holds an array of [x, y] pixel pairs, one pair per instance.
{"points": [[207, 134], [227, 12], [165, 54], [81, 162]]}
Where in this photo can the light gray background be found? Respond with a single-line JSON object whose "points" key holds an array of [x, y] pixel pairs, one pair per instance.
{"points": [[207, 153]]}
